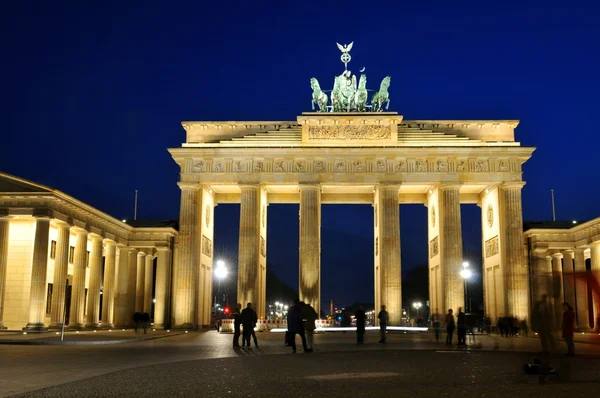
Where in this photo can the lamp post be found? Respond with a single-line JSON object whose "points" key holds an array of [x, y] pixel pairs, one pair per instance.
{"points": [[466, 274], [220, 274], [417, 306]]}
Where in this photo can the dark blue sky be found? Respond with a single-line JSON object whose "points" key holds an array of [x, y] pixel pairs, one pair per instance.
{"points": [[93, 95]]}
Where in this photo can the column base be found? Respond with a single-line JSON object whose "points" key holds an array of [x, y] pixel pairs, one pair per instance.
{"points": [[106, 326], [35, 328], [159, 326], [76, 326], [92, 326], [122, 326], [188, 326]]}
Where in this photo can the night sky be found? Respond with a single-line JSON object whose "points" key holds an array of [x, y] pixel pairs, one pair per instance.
{"points": [[93, 95]]}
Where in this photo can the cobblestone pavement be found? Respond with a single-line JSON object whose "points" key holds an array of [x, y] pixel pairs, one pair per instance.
{"points": [[179, 366]]}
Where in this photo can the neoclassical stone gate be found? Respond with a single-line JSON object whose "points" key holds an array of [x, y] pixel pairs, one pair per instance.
{"points": [[368, 157]]}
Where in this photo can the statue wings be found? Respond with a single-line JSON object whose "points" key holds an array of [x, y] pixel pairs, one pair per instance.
{"points": [[345, 48]]}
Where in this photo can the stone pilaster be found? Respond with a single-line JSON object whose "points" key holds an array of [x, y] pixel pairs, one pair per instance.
{"points": [[557, 288], [108, 291], [184, 284], [569, 282], [163, 270], [310, 245], [148, 284], [541, 275], [581, 293], [95, 282], [78, 287], [595, 269], [4, 235], [37, 295], [451, 256], [205, 203], [249, 246], [131, 284], [60, 281], [121, 319], [517, 273], [140, 281]]}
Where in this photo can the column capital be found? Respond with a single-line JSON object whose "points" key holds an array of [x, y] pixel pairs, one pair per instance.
{"points": [[568, 252], [513, 185], [4, 213], [79, 231], [162, 248], [189, 185], [389, 186], [249, 186], [579, 249], [449, 185], [43, 213], [61, 224], [141, 254], [309, 186], [95, 237], [109, 242]]}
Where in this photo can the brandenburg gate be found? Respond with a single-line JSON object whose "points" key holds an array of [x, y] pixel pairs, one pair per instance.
{"points": [[350, 152]]}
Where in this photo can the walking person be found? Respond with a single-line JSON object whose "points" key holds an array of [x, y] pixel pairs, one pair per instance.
{"points": [[361, 319], [461, 331], [295, 326], [383, 321], [237, 322], [309, 315], [542, 323], [436, 327], [249, 320], [568, 327], [450, 325]]}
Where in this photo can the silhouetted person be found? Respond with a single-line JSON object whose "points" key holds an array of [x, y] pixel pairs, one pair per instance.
{"points": [[436, 327], [461, 330], [249, 320], [137, 321], [237, 322], [295, 325], [145, 321], [450, 325], [309, 315], [524, 328], [383, 321], [542, 323], [568, 323], [361, 319]]}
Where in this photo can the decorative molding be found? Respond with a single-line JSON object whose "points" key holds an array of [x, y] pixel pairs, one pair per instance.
{"points": [[320, 166], [434, 247], [207, 215], [206, 246], [350, 132], [491, 247], [264, 215], [433, 216], [490, 215], [263, 247], [377, 246]]}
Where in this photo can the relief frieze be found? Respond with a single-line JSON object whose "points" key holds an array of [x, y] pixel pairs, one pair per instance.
{"points": [[206, 246], [350, 132], [434, 247], [491, 247]]}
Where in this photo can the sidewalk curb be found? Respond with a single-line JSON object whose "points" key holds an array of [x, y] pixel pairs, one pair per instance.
{"points": [[86, 342]]}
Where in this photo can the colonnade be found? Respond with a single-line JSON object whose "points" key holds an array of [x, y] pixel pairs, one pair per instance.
{"points": [[125, 287]]}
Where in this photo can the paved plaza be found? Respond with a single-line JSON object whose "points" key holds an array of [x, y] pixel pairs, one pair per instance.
{"points": [[204, 364]]}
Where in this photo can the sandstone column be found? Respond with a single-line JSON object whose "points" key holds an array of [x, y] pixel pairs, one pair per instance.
{"points": [[595, 269], [59, 284], [93, 302], [4, 230], [163, 266], [108, 291], [131, 285], [451, 248], [148, 284], [581, 293], [37, 295], [121, 318], [310, 245], [140, 281], [78, 288], [550, 289], [569, 283], [248, 252], [557, 288], [184, 292], [517, 281], [541, 275]]}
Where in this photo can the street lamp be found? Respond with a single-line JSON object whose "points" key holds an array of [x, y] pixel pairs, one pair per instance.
{"points": [[220, 270], [466, 274], [417, 306]]}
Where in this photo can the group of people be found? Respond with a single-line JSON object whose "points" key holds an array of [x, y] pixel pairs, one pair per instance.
{"points": [[542, 322], [247, 319], [460, 325], [361, 320]]}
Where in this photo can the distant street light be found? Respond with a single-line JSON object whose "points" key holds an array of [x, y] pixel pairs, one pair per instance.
{"points": [[417, 306], [466, 274], [220, 270]]}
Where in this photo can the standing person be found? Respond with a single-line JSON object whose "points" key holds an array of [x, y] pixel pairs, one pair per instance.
{"points": [[361, 319], [383, 321], [449, 326], [436, 327], [237, 322], [461, 331], [249, 320], [542, 323], [295, 326], [567, 327], [309, 315]]}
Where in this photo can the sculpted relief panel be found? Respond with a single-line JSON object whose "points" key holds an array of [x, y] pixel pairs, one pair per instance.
{"points": [[491, 247], [353, 132]]}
